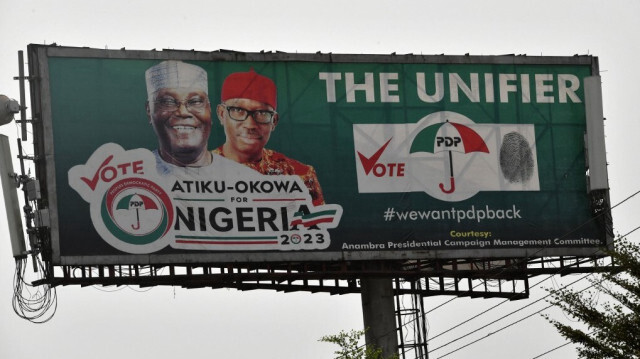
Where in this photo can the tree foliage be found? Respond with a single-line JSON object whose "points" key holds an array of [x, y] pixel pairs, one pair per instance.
{"points": [[349, 347], [610, 308]]}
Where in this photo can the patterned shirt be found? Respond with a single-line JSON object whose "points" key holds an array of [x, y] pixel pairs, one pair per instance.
{"points": [[275, 163]]}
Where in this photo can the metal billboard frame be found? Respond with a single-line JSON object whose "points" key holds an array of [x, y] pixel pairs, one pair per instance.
{"points": [[345, 261]]}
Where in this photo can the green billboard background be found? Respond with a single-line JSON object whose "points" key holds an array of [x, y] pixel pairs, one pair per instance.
{"points": [[98, 100]]}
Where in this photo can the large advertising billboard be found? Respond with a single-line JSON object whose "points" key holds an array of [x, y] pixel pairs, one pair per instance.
{"points": [[196, 157]]}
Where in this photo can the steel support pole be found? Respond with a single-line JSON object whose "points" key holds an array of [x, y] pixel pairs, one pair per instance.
{"points": [[378, 312], [23, 98]]}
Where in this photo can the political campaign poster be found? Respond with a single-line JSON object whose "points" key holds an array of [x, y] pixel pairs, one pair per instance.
{"points": [[199, 157]]}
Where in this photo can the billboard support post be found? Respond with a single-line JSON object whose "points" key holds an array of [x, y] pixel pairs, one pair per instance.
{"points": [[12, 206], [597, 160], [378, 313], [23, 108]]}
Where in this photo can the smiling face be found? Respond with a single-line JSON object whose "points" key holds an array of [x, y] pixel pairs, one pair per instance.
{"points": [[245, 139], [181, 119]]}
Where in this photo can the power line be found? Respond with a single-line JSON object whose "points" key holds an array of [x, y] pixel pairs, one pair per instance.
{"points": [[552, 350], [484, 312], [564, 235], [522, 319], [492, 333], [550, 276], [516, 322], [507, 315], [567, 343]]}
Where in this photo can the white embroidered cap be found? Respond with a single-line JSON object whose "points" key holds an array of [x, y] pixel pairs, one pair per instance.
{"points": [[175, 74]]}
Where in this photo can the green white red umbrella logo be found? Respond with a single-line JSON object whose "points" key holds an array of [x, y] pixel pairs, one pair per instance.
{"points": [[450, 137], [153, 212], [136, 201]]}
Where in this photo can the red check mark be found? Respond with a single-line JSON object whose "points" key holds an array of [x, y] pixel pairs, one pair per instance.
{"points": [[368, 163], [92, 183]]}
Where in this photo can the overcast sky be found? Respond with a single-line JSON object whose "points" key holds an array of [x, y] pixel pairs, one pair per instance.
{"points": [[177, 323]]}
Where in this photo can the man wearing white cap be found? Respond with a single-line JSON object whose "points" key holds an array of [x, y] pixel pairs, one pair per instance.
{"points": [[178, 108], [179, 111]]}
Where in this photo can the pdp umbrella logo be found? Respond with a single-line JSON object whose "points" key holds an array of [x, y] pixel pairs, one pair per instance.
{"points": [[446, 155], [450, 137], [137, 213], [138, 202]]}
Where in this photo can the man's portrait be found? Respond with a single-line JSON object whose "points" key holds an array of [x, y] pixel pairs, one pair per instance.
{"points": [[179, 111], [248, 115]]}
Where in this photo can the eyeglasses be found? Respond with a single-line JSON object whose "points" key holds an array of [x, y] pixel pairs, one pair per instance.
{"points": [[241, 114], [171, 104]]}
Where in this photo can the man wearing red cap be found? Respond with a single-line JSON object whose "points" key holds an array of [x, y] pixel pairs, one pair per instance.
{"points": [[248, 115]]}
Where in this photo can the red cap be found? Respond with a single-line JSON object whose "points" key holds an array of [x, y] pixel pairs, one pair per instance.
{"points": [[249, 85]]}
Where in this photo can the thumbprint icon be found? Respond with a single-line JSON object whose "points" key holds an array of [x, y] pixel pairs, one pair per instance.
{"points": [[516, 159]]}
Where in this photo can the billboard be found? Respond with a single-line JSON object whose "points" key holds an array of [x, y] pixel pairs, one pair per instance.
{"points": [[205, 157]]}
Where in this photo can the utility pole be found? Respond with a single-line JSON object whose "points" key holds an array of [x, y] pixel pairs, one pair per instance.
{"points": [[378, 312]]}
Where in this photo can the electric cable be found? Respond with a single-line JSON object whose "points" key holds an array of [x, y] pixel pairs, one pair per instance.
{"points": [[34, 307], [551, 276], [513, 323], [554, 349], [507, 315], [510, 324], [567, 343], [507, 300], [566, 234]]}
